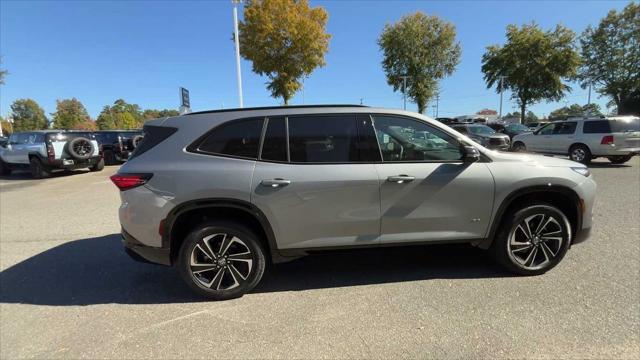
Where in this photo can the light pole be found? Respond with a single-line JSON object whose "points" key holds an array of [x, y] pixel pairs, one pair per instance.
{"points": [[237, 41], [404, 90], [501, 89]]}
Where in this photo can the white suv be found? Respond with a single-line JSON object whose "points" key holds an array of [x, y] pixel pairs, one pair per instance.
{"points": [[583, 139]]}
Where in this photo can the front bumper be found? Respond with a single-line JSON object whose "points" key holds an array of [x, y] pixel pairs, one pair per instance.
{"points": [[582, 235], [143, 253]]}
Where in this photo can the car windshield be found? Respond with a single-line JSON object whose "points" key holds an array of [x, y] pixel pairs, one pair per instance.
{"points": [[517, 127], [622, 125], [481, 130]]}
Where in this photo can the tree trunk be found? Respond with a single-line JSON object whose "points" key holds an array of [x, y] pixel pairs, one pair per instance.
{"points": [[421, 105], [523, 108], [286, 100]]}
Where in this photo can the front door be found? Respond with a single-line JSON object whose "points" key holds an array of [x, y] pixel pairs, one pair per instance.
{"points": [[427, 192], [324, 191]]}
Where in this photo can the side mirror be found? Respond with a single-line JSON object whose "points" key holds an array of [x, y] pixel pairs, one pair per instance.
{"points": [[471, 154]]}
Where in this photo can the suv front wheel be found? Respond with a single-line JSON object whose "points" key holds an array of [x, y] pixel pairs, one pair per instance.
{"points": [[221, 260], [37, 169], [532, 240]]}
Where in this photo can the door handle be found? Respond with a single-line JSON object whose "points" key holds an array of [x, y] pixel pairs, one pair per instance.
{"points": [[275, 182], [400, 179]]}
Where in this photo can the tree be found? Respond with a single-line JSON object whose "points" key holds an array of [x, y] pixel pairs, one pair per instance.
{"points": [[27, 115], [121, 115], [530, 117], [285, 40], [71, 114], [156, 114], [424, 49], [6, 127], [611, 58], [532, 64], [575, 110]]}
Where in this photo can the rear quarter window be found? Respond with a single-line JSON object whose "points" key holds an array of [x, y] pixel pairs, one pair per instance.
{"points": [[596, 127], [239, 138]]}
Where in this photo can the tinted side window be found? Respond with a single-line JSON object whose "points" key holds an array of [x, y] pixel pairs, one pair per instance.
{"points": [[403, 139], [547, 129], [275, 140], [368, 149], [461, 129], [236, 138], [323, 139], [596, 127], [565, 128]]}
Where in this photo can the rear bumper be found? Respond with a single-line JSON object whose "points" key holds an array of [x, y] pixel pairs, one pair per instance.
{"points": [[143, 253], [77, 164], [615, 151]]}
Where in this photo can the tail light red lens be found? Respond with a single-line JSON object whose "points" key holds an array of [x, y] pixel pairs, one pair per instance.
{"points": [[607, 140], [130, 181]]}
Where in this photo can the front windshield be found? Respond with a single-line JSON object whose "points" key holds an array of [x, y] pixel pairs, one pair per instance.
{"points": [[481, 130]]}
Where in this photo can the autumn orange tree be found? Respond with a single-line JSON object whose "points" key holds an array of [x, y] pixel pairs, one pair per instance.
{"points": [[285, 40]]}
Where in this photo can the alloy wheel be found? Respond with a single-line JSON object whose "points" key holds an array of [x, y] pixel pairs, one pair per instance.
{"points": [[221, 262], [578, 154], [536, 241]]}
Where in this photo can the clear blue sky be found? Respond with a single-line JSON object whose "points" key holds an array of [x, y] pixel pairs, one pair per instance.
{"points": [[99, 51]]}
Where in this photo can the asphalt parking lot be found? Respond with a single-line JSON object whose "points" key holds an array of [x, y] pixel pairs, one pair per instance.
{"points": [[69, 291]]}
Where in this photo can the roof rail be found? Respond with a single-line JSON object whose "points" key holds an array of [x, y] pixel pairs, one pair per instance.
{"points": [[272, 108]]}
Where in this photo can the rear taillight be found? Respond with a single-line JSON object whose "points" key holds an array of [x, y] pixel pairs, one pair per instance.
{"points": [[130, 181], [51, 155], [607, 140]]}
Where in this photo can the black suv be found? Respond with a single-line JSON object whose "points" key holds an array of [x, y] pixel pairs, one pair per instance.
{"points": [[117, 145]]}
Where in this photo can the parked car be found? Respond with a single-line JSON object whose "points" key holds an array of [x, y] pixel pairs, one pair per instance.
{"points": [[509, 129], [446, 120], [3, 141], [535, 125], [218, 194], [117, 145], [484, 135], [583, 139], [45, 151]]}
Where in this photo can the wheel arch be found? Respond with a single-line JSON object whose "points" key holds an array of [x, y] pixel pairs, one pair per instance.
{"points": [[577, 144], [562, 197], [183, 217]]}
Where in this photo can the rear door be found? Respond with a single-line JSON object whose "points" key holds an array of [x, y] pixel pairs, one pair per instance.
{"points": [[427, 192], [316, 182], [562, 137]]}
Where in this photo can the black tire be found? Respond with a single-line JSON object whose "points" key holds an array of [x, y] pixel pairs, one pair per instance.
{"points": [[580, 153], [519, 146], [135, 141], [619, 159], [512, 248], [80, 148], [98, 166], [246, 274], [109, 157], [4, 168], [37, 169]]}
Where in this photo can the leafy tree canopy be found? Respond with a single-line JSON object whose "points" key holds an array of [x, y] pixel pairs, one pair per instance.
{"points": [[423, 48], [285, 40], [71, 114], [149, 114], [28, 115], [575, 110], [532, 64], [121, 115], [611, 58]]}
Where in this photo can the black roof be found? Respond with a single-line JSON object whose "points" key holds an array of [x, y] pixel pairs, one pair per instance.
{"points": [[273, 108]]}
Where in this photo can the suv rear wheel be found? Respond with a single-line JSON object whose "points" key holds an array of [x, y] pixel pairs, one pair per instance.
{"points": [[580, 153], [221, 260], [37, 170], [98, 166], [532, 239], [620, 159]]}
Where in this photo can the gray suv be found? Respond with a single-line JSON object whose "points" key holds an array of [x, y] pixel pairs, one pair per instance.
{"points": [[219, 194], [45, 151]]}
